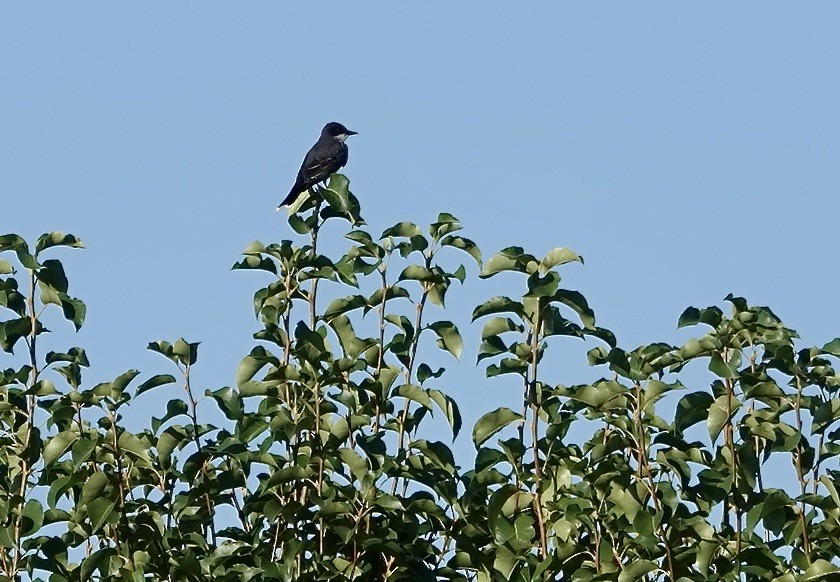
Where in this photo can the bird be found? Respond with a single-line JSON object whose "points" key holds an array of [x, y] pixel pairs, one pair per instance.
{"points": [[326, 157]]}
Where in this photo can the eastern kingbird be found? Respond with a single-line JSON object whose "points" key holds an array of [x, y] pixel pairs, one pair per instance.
{"points": [[324, 159]]}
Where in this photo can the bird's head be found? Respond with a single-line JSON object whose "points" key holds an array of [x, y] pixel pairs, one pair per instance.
{"points": [[337, 131]]}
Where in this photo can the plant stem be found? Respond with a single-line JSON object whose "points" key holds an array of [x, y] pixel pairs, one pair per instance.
{"points": [[197, 440], [26, 470], [313, 291], [535, 437], [729, 437], [644, 464], [806, 545], [380, 359], [409, 370]]}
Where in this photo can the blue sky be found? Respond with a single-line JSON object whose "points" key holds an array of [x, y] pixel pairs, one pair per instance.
{"points": [[685, 150]]}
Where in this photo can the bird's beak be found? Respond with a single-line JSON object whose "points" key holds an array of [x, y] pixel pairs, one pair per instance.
{"points": [[352, 132]]}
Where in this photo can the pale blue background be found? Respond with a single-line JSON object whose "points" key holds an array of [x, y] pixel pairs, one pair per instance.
{"points": [[685, 149]]}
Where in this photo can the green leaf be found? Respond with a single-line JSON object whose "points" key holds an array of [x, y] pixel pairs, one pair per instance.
{"points": [[445, 224], [826, 414], [74, 311], [493, 422], [121, 382], [819, 569], [499, 325], [162, 347], [414, 244], [827, 481], [391, 292], [187, 353], [465, 245], [99, 510], [424, 372], [542, 286], [53, 239], [510, 259], [254, 248], [13, 331], [336, 198], [577, 302], [12, 242], [718, 415], [253, 363], [832, 347], [255, 262], [449, 337], [415, 393], [350, 342], [82, 449], [154, 382], [691, 409], [339, 183], [690, 316], [6, 267], [449, 408], [503, 562], [93, 487], [168, 441], [603, 394], [343, 305], [418, 273], [229, 401], [559, 256], [51, 275], [43, 388], [174, 407], [74, 355], [507, 366], [498, 305], [357, 464], [58, 445], [637, 570], [130, 443], [725, 369], [33, 514], [402, 230], [711, 316], [362, 237], [298, 224]]}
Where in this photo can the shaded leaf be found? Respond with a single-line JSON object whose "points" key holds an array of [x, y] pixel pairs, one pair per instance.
{"points": [[493, 422], [154, 382], [449, 337]]}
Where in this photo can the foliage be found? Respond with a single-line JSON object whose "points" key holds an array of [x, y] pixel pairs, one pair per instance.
{"points": [[321, 462]]}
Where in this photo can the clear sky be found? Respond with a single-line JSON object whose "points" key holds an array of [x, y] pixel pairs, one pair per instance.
{"points": [[686, 150]]}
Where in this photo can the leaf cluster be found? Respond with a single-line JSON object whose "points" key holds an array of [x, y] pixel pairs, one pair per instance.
{"points": [[323, 461]]}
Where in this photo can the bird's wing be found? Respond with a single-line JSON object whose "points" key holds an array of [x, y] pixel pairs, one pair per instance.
{"points": [[321, 161], [342, 156]]}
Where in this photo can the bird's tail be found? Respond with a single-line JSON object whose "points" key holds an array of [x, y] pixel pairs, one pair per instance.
{"points": [[290, 198]]}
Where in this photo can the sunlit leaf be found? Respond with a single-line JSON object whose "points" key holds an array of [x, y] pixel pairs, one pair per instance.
{"points": [[510, 259], [559, 256], [720, 412], [58, 445], [53, 239]]}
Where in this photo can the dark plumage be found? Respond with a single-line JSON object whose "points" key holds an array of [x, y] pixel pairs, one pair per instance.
{"points": [[326, 157]]}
